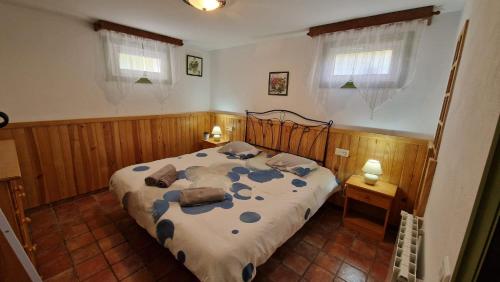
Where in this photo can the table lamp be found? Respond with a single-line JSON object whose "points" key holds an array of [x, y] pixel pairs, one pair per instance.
{"points": [[216, 132], [372, 170]]}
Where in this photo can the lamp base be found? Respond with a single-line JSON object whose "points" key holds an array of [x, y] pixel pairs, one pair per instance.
{"points": [[370, 179], [216, 138]]}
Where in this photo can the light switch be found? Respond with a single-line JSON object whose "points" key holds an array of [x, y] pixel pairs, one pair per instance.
{"points": [[342, 152]]}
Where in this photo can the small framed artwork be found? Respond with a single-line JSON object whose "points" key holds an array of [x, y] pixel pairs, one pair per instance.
{"points": [[278, 83], [194, 65]]}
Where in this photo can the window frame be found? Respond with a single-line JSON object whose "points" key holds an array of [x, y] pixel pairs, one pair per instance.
{"points": [[116, 73], [333, 48]]}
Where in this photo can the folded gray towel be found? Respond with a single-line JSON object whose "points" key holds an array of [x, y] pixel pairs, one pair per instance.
{"points": [[163, 177], [202, 195]]}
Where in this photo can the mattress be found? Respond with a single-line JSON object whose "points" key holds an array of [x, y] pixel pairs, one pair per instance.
{"points": [[223, 241]]}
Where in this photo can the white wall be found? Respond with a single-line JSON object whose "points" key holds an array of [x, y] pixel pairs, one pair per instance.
{"points": [[470, 126], [52, 68], [240, 75], [51, 65]]}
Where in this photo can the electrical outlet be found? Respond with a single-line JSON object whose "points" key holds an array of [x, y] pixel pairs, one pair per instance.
{"points": [[342, 152], [444, 270]]}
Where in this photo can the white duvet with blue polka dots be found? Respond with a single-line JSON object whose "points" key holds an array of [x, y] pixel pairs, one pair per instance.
{"points": [[223, 241]]}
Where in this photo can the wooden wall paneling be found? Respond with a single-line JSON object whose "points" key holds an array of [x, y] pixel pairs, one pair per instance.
{"points": [[418, 171], [425, 190], [104, 170], [111, 157], [172, 131], [44, 150], [397, 163], [60, 159], [157, 148], [353, 156], [80, 168], [89, 158], [29, 162], [117, 148], [168, 131], [65, 161]]}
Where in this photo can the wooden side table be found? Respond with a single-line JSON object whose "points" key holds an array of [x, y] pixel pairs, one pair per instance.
{"points": [[211, 143], [379, 195]]}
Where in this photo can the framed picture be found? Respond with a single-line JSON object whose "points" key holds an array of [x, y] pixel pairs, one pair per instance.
{"points": [[194, 65], [278, 83]]}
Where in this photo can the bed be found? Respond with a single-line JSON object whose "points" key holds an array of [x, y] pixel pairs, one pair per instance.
{"points": [[262, 209]]}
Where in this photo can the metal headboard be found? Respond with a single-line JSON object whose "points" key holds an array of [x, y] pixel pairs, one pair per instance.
{"points": [[289, 132]]}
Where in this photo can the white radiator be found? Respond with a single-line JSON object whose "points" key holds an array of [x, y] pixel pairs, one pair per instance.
{"points": [[405, 255]]}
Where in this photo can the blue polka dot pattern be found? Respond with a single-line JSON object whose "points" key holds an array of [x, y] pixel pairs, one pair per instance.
{"points": [[140, 168], [125, 200], [233, 176], [201, 155], [299, 183], [181, 257], [262, 176], [247, 272], [294, 191], [301, 171], [247, 156], [308, 212], [231, 157], [237, 187], [241, 170], [165, 230], [249, 217], [194, 210], [259, 198], [235, 231], [181, 174], [160, 207]]}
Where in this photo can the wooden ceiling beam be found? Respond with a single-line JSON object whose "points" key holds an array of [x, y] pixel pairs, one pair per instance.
{"points": [[400, 16], [101, 24]]}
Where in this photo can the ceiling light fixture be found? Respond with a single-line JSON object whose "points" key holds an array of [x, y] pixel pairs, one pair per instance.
{"points": [[206, 5]]}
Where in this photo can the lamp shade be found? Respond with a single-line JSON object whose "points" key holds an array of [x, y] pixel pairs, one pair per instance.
{"points": [[216, 130], [372, 167], [206, 5]]}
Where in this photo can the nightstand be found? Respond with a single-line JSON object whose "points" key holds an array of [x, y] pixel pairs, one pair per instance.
{"points": [[211, 143], [379, 196]]}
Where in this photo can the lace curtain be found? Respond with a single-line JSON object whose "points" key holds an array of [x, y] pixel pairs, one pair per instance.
{"points": [[136, 65], [377, 62]]}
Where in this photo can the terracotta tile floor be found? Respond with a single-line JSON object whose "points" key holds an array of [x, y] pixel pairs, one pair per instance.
{"points": [[93, 239]]}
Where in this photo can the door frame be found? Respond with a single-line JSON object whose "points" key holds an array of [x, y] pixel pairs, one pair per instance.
{"points": [[484, 218]]}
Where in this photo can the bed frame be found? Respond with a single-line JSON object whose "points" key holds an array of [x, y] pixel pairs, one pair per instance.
{"points": [[288, 132]]}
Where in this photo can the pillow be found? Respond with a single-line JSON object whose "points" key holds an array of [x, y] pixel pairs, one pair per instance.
{"points": [[292, 163], [258, 163], [239, 149]]}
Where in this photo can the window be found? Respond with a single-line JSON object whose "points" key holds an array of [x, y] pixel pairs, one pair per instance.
{"points": [[380, 59], [357, 63], [139, 63], [132, 58]]}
